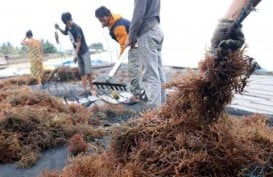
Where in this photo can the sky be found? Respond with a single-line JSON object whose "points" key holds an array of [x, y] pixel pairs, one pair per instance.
{"points": [[187, 24]]}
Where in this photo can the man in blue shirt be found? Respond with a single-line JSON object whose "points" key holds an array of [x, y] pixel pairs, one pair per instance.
{"points": [[82, 54]]}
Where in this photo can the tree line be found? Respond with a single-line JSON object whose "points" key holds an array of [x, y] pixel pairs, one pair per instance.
{"points": [[7, 48]]}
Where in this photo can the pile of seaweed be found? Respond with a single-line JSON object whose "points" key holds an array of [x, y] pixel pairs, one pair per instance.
{"points": [[60, 74], [31, 122], [203, 95], [189, 136], [64, 74]]}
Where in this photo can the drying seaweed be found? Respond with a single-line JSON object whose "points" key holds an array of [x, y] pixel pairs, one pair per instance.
{"points": [[31, 122], [16, 81], [77, 145], [204, 94], [191, 135], [62, 74], [111, 112]]}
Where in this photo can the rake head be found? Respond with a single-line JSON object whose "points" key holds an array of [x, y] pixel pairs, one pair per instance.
{"points": [[109, 85]]}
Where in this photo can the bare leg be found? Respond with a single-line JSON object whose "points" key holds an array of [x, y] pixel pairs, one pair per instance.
{"points": [[84, 82], [39, 80], [92, 90]]}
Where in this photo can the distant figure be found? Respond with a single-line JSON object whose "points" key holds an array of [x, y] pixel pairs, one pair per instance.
{"points": [[82, 54], [7, 59], [145, 30], [35, 56], [119, 28]]}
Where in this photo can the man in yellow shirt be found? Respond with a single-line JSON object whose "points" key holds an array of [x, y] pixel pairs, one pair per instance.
{"points": [[118, 30]]}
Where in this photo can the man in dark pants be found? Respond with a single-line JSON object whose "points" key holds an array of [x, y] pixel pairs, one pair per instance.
{"points": [[82, 55]]}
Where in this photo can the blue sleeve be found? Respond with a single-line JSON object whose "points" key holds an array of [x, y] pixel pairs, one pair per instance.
{"points": [[65, 30], [138, 15], [78, 33]]}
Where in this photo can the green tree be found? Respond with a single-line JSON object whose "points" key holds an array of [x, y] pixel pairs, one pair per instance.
{"points": [[23, 50], [48, 47], [97, 46], [7, 48]]}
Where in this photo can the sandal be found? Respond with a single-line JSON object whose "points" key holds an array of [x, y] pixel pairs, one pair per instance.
{"points": [[143, 95], [132, 100], [93, 92], [84, 93]]}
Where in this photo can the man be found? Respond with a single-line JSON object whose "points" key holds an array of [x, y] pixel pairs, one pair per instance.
{"points": [[145, 30], [117, 25], [82, 55], [118, 30]]}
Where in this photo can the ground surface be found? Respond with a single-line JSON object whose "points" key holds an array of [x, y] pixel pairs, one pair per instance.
{"points": [[258, 98]]}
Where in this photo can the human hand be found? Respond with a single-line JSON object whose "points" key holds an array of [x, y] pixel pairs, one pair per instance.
{"points": [[56, 26], [76, 58], [225, 40], [129, 43], [57, 37], [108, 79]]}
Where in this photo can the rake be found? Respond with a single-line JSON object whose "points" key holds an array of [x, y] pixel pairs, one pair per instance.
{"points": [[110, 85]]}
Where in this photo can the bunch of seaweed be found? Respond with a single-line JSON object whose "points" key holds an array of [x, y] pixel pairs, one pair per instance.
{"points": [[77, 145], [31, 122], [16, 81], [204, 94], [190, 135], [62, 74], [111, 111]]}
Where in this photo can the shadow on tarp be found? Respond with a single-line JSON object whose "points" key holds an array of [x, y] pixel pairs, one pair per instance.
{"points": [[53, 159]]}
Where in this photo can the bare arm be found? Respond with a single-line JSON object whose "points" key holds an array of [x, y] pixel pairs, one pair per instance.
{"points": [[138, 14], [58, 28], [24, 41], [78, 43], [228, 33]]}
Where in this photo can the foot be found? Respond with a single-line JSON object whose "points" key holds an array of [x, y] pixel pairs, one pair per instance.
{"points": [[132, 100], [143, 95], [93, 92], [115, 94], [84, 93]]}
